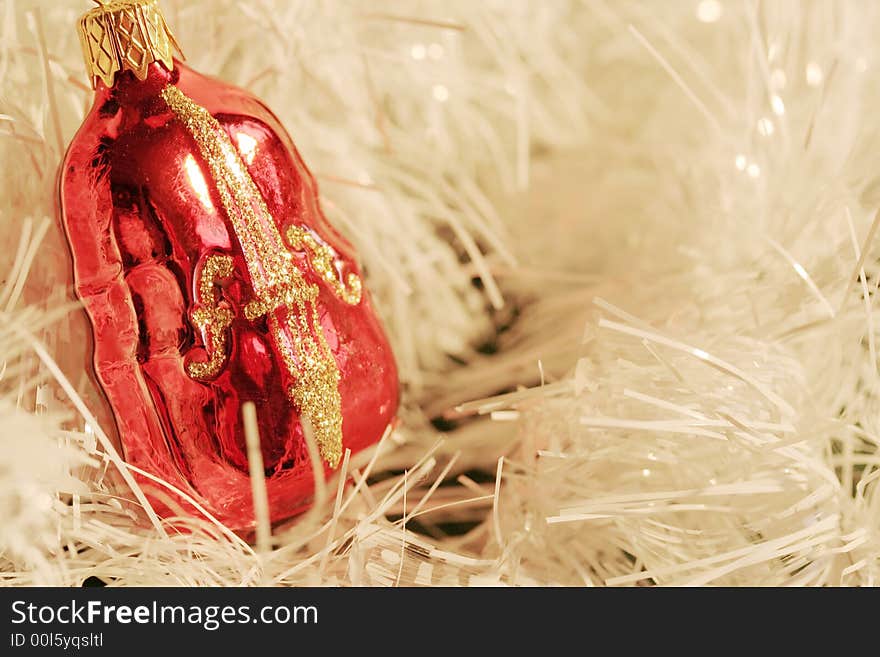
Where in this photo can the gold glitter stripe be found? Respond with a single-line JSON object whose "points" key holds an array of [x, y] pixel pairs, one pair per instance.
{"points": [[268, 261], [277, 284]]}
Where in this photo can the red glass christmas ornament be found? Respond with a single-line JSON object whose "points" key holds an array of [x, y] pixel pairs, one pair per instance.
{"points": [[211, 278]]}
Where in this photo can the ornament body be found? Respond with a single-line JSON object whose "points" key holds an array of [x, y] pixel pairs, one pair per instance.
{"points": [[211, 278]]}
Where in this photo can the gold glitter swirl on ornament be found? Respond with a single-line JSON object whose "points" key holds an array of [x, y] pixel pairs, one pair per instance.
{"points": [[322, 257], [278, 285], [211, 319]]}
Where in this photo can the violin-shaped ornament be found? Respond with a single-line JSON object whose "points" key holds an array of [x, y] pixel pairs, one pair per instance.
{"points": [[211, 278]]}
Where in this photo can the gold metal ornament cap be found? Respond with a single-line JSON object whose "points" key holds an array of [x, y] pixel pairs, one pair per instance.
{"points": [[125, 35]]}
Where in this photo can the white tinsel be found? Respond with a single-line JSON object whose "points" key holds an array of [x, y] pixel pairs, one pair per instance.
{"points": [[666, 372]]}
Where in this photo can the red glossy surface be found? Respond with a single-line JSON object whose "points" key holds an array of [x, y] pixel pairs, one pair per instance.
{"points": [[140, 221]]}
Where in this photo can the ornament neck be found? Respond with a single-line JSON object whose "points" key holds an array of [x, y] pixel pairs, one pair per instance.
{"points": [[128, 90]]}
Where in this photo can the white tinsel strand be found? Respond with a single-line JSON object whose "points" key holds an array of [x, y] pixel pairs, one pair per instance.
{"points": [[742, 262]]}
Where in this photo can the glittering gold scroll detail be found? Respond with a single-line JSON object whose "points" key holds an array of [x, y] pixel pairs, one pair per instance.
{"points": [[280, 291], [125, 35], [211, 319], [323, 260]]}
